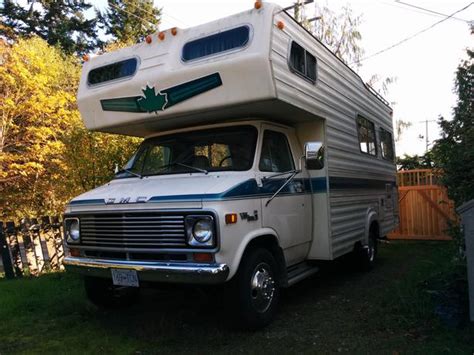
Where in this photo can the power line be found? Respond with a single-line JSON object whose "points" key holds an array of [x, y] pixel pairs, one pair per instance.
{"points": [[163, 14], [430, 11], [130, 13], [413, 35], [175, 19], [423, 12]]}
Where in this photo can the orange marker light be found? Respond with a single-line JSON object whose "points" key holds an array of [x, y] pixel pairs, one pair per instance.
{"points": [[231, 218], [161, 36], [85, 57], [174, 31], [148, 39], [258, 4], [203, 257], [281, 25]]}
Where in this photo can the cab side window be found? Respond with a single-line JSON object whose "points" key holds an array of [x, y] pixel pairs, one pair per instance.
{"points": [[276, 154]]}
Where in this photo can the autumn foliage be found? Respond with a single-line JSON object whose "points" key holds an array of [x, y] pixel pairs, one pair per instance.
{"points": [[46, 155]]}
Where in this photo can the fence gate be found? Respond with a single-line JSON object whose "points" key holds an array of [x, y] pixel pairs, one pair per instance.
{"points": [[425, 209]]}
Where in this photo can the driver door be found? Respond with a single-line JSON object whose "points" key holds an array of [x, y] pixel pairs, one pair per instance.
{"points": [[288, 213]]}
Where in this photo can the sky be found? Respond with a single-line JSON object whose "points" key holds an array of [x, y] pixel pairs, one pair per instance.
{"points": [[424, 66]]}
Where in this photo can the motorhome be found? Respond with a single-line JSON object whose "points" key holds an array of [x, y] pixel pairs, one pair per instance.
{"points": [[263, 155]]}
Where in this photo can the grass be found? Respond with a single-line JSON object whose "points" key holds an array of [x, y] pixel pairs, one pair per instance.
{"points": [[337, 310]]}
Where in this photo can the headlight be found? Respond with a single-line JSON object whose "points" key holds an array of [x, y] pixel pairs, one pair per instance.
{"points": [[71, 230], [200, 231]]}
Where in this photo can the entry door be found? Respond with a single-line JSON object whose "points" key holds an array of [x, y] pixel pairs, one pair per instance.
{"points": [[289, 213]]}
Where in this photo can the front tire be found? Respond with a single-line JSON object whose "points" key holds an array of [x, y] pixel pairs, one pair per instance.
{"points": [[258, 289], [104, 294]]}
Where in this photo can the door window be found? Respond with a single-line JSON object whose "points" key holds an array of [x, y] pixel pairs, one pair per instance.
{"points": [[276, 154]]}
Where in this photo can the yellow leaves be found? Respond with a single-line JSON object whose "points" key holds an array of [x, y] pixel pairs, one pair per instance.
{"points": [[46, 155], [37, 107]]}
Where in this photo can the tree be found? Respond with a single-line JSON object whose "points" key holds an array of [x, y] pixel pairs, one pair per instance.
{"points": [[46, 154], [59, 22], [410, 162], [339, 32], [454, 151], [129, 21], [37, 102], [92, 156]]}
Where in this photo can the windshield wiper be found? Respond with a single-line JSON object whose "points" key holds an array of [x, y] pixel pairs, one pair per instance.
{"points": [[128, 171], [185, 165], [280, 174]]}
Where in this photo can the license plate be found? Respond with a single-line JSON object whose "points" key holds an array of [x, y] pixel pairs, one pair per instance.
{"points": [[127, 278]]}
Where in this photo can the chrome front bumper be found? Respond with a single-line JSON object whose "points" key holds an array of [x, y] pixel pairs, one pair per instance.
{"points": [[173, 272]]}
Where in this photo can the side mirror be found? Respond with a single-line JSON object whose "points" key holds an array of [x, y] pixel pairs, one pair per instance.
{"points": [[314, 155]]}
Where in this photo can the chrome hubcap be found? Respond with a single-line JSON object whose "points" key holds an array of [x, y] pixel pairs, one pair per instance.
{"points": [[262, 287], [371, 250]]}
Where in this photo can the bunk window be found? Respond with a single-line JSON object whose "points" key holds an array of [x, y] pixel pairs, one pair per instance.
{"points": [[366, 132], [386, 145], [302, 62], [217, 43], [113, 71]]}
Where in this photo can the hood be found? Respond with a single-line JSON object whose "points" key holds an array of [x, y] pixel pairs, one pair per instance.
{"points": [[154, 189]]}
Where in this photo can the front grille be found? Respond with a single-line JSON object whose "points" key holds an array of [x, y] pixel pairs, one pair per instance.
{"points": [[142, 230]]}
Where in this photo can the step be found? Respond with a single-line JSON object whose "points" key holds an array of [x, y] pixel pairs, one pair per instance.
{"points": [[299, 272]]}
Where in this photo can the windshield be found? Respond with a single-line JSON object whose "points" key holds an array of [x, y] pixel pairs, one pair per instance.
{"points": [[219, 149]]}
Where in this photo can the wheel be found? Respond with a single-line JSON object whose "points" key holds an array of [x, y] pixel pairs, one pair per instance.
{"points": [[258, 290], [104, 294], [366, 255]]}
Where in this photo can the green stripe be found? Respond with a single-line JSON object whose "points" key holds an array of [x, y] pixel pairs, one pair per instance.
{"points": [[176, 94]]}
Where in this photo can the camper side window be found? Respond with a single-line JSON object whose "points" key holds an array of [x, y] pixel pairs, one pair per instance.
{"points": [[276, 154], [386, 145], [302, 62], [366, 132]]}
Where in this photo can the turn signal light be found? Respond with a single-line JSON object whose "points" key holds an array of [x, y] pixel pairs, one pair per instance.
{"points": [[281, 25], [203, 257], [258, 4], [161, 36], [231, 218]]}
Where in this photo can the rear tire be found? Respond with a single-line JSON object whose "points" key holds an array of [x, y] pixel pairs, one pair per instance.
{"points": [[366, 255], [257, 289], [104, 294]]}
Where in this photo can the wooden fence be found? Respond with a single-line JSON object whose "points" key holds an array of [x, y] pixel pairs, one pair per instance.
{"points": [[425, 209], [31, 247]]}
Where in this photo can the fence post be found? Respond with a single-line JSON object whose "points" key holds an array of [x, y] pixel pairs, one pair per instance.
{"points": [[5, 254]]}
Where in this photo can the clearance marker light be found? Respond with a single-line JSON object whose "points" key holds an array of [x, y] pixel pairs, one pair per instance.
{"points": [[148, 39], [281, 25], [174, 31], [85, 57], [231, 218], [161, 36], [258, 4]]}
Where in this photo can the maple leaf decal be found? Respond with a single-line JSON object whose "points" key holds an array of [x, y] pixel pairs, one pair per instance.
{"points": [[152, 102]]}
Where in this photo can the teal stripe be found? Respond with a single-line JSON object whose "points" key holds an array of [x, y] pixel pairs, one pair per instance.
{"points": [[175, 95]]}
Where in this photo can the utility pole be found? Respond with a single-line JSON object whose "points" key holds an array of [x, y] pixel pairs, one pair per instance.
{"points": [[426, 133]]}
